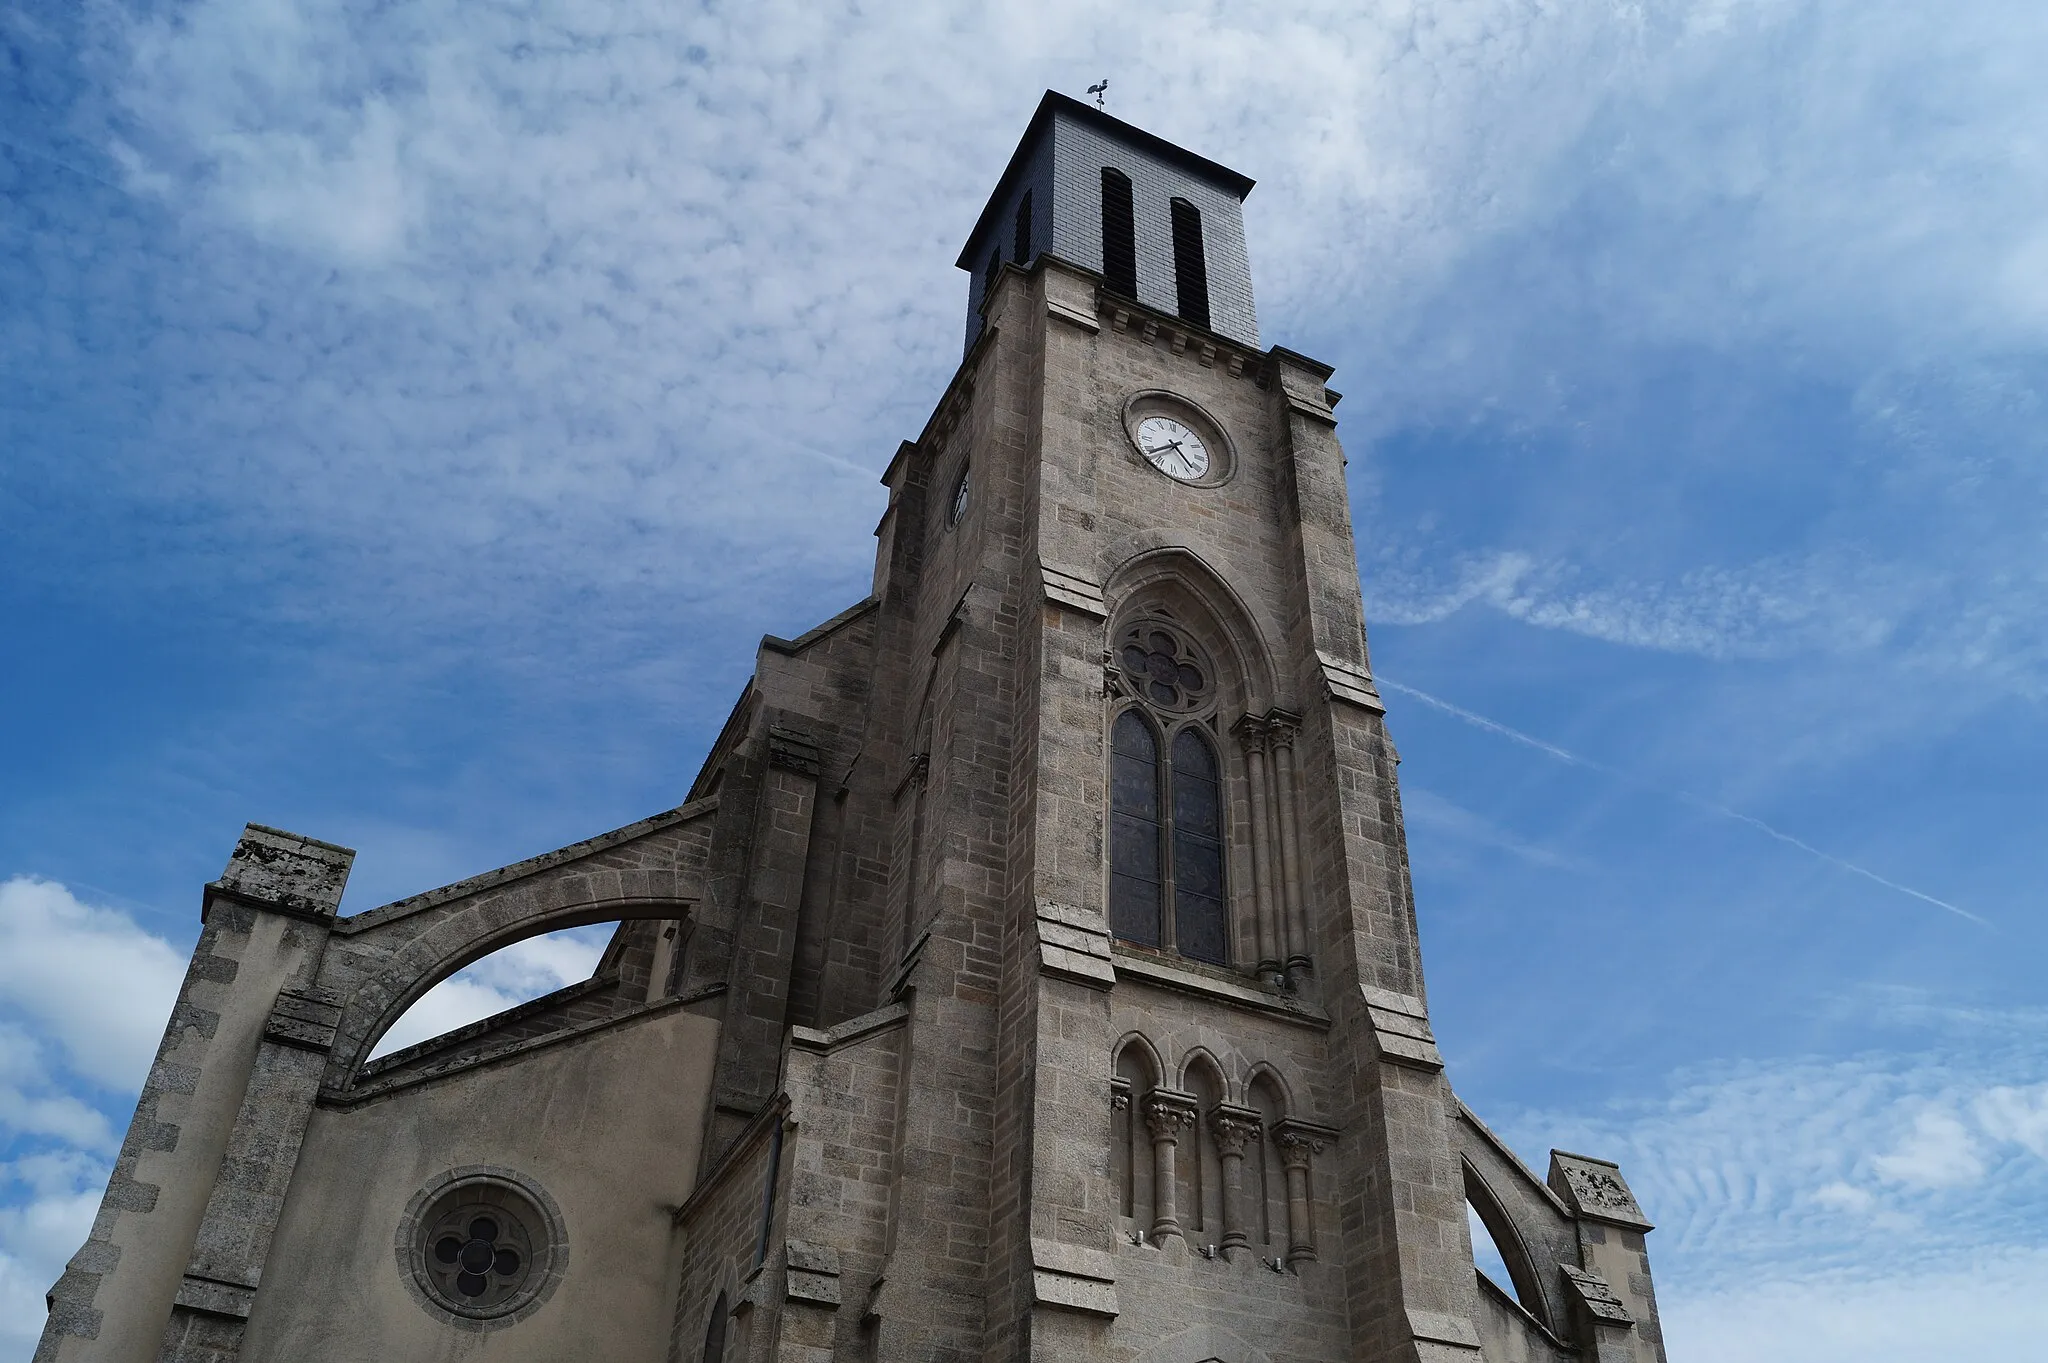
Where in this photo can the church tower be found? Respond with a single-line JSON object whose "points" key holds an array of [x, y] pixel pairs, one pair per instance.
{"points": [[1031, 972]]}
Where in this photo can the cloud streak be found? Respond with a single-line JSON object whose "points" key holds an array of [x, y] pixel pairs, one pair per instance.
{"points": [[1700, 803]]}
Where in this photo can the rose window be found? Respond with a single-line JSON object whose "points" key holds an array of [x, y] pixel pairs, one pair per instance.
{"points": [[479, 1250], [1164, 668], [479, 1260]]}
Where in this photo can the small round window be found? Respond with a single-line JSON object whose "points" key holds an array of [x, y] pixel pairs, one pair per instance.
{"points": [[483, 1245], [1164, 667]]}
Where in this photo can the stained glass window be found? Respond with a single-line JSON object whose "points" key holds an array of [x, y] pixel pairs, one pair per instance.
{"points": [[1134, 831], [1166, 861], [1199, 918]]}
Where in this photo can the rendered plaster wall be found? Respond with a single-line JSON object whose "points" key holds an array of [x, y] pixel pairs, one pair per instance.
{"points": [[608, 1125]]}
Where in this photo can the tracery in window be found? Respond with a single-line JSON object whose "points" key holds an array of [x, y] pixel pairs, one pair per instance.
{"points": [[1166, 800], [1164, 668]]}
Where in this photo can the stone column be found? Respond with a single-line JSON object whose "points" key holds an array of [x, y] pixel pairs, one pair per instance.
{"points": [[1281, 730], [1252, 733], [1167, 1114], [1236, 1128], [1299, 1143]]}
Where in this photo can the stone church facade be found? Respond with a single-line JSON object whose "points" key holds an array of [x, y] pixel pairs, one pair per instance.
{"points": [[1031, 972]]}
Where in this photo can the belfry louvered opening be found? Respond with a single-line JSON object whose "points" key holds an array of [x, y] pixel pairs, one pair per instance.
{"points": [[1022, 254], [1119, 233], [1190, 264]]}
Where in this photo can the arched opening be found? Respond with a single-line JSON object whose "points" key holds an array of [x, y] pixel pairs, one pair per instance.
{"points": [[1497, 1252], [1119, 233], [1269, 1228], [1135, 1077], [1201, 1167], [714, 1332], [510, 977], [1190, 264]]}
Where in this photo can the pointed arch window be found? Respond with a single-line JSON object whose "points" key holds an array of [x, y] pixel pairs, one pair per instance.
{"points": [[1166, 861]]}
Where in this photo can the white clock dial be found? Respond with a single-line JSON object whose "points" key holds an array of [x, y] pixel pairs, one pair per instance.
{"points": [[1172, 448]]}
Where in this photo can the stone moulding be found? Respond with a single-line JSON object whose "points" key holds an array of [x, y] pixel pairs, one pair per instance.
{"points": [[1146, 969], [1065, 587], [1071, 315], [1073, 944], [811, 1274], [305, 1018], [1591, 1294], [1073, 1278], [853, 1029], [1350, 683], [1400, 1028]]}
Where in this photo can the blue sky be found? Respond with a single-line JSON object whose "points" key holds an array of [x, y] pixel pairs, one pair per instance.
{"points": [[411, 415]]}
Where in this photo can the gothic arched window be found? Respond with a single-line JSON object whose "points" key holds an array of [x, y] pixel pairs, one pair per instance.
{"points": [[714, 1332], [1166, 802]]}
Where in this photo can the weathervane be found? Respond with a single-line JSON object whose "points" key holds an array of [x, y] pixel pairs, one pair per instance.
{"points": [[1097, 89]]}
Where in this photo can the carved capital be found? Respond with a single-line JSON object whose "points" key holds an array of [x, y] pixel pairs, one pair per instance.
{"points": [[1167, 1114], [1300, 1141], [1235, 1128], [1119, 1095], [1251, 731], [1281, 728]]}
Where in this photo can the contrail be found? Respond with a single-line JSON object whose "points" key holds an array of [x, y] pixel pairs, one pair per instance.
{"points": [[1684, 797]]}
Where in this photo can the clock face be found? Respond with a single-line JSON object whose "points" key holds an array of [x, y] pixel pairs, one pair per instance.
{"points": [[1172, 448]]}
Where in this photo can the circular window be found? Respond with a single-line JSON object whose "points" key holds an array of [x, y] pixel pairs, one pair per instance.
{"points": [[1164, 666], [482, 1245]]}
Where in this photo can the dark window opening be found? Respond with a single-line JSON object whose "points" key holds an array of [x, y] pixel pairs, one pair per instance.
{"points": [[1200, 922], [1023, 242], [1134, 831], [1190, 266], [714, 1332], [988, 277], [1119, 233]]}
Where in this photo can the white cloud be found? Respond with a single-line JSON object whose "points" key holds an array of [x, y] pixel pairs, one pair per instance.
{"points": [[1877, 1207], [615, 298], [47, 1202], [2019, 1115], [525, 970], [1938, 1152], [98, 986], [1992, 1305]]}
